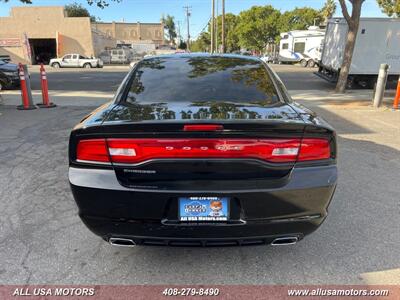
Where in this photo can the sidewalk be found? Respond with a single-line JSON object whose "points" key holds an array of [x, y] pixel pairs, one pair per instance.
{"points": [[91, 98], [351, 97], [61, 98]]}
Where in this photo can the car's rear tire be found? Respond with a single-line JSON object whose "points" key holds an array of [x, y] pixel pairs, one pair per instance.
{"points": [[2, 85], [311, 63], [303, 63], [55, 65], [87, 66]]}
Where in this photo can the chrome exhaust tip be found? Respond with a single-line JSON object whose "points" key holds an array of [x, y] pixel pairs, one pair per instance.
{"points": [[284, 241], [122, 242]]}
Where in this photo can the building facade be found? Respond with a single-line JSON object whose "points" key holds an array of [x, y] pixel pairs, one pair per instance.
{"points": [[132, 33], [37, 33]]}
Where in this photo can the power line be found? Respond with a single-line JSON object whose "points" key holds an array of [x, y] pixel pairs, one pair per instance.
{"points": [[204, 28]]}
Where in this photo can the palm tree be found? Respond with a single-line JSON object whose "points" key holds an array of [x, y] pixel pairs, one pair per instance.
{"points": [[169, 26], [328, 10]]}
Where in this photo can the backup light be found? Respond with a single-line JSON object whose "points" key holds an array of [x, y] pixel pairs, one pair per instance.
{"points": [[122, 151], [285, 151]]}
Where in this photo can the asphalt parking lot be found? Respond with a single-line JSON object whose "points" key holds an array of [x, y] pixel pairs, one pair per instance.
{"points": [[108, 78], [44, 241], [72, 79]]}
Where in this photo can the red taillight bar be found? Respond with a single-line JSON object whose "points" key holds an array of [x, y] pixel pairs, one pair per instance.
{"points": [[131, 151]]}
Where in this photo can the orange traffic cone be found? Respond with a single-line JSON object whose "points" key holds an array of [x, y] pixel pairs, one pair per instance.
{"points": [[397, 97], [25, 91], [45, 90]]}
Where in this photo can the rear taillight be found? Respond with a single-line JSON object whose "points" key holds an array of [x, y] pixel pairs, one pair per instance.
{"points": [[92, 151], [132, 151], [314, 149], [146, 149]]}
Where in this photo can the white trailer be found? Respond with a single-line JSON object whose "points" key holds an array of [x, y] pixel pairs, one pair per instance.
{"points": [[378, 42], [302, 46]]}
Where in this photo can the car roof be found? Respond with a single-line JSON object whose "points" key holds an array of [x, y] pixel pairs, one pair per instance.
{"points": [[184, 56]]}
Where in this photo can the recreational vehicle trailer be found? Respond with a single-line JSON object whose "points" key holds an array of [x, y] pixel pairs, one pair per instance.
{"points": [[302, 46]]}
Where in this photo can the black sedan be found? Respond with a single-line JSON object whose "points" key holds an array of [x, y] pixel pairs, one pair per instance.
{"points": [[202, 150], [9, 77]]}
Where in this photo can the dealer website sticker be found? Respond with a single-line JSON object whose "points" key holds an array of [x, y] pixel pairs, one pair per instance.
{"points": [[198, 209]]}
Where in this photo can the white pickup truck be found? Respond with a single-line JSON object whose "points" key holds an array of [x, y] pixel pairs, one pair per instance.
{"points": [[76, 61]]}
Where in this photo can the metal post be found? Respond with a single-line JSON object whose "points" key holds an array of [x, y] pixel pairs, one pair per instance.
{"points": [[380, 85]]}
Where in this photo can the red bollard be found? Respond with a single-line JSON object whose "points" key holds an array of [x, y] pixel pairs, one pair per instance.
{"points": [[397, 97], [45, 90], [26, 101]]}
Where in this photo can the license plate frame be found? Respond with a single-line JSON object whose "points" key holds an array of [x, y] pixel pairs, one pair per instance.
{"points": [[203, 209]]}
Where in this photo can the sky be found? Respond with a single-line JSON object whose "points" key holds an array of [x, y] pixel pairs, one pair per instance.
{"points": [[152, 10]]}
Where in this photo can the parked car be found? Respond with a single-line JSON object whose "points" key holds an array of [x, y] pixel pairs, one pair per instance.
{"points": [[9, 77], [76, 61], [202, 150], [119, 55], [5, 57], [267, 58]]}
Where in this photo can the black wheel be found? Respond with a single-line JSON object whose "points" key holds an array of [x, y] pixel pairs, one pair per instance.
{"points": [[303, 63], [351, 84], [311, 63], [87, 66], [55, 65]]}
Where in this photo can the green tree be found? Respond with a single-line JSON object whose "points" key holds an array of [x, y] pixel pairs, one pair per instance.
{"points": [[257, 27], [77, 10], [202, 43], [328, 10], [182, 45], [231, 34], [299, 19], [390, 7], [99, 3], [169, 26]]}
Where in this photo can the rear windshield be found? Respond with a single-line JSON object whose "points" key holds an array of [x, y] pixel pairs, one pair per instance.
{"points": [[198, 79]]}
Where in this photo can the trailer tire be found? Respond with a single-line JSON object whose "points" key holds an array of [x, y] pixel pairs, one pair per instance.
{"points": [[350, 83], [311, 63], [304, 63]]}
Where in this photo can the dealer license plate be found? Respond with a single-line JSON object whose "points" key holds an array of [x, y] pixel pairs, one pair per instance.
{"points": [[201, 209]]}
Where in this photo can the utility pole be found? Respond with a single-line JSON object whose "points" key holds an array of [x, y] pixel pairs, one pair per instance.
{"points": [[179, 33], [212, 25], [188, 12], [223, 27], [216, 28]]}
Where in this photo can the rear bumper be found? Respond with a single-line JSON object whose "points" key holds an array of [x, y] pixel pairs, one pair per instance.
{"points": [[150, 217]]}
